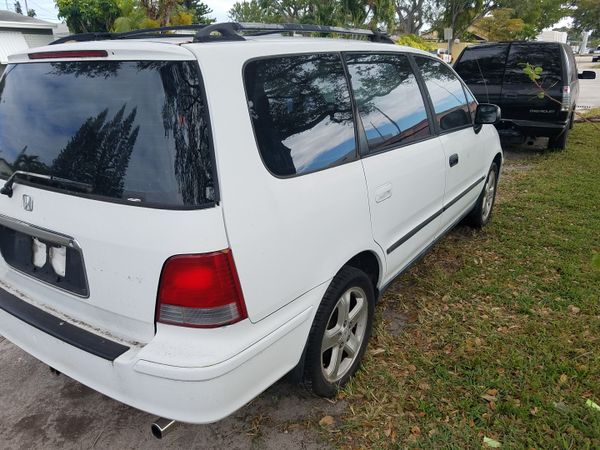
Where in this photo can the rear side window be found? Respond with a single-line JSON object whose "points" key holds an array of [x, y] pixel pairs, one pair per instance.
{"points": [[548, 56], [483, 65], [447, 94], [137, 132], [301, 112], [388, 98]]}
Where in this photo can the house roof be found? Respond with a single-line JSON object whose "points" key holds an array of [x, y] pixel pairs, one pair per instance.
{"points": [[9, 19]]}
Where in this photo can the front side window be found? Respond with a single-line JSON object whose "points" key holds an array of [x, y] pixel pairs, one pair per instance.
{"points": [[301, 112], [447, 94], [388, 98], [134, 131]]}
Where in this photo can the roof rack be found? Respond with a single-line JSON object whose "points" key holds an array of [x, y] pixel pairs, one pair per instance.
{"points": [[135, 34], [227, 31], [231, 31]]}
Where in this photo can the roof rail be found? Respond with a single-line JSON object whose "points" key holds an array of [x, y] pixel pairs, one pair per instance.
{"points": [[227, 31], [231, 31], [145, 32]]}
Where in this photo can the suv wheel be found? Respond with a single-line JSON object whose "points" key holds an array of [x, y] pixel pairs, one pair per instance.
{"points": [[482, 212], [559, 142], [340, 332]]}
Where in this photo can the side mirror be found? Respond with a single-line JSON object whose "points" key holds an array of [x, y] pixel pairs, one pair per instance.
{"points": [[587, 75], [487, 114]]}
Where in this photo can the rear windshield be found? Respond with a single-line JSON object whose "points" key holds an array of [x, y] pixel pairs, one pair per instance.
{"points": [[483, 65], [137, 132], [546, 56]]}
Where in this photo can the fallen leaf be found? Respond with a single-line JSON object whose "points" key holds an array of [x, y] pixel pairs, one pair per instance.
{"points": [[489, 398], [326, 421], [563, 379], [492, 392], [591, 404], [533, 411], [377, 351], [415, 430], [574, 309], [491, 442]]}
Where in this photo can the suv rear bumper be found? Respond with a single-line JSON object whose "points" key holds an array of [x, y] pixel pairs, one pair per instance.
{"points": [[510, 129], [155, 379]]}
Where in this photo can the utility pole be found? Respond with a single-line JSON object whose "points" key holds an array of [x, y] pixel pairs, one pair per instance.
{"points": [[26, 9]]}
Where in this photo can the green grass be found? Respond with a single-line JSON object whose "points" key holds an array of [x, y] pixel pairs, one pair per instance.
{"points": [[503, 325]]}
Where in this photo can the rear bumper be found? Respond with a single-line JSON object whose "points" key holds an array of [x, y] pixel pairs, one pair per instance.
{"points": [[168, 377], [509, 129]]}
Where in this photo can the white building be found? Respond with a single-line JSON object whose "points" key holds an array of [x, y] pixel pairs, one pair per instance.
{"points": [[19, 32], [552, 36]]}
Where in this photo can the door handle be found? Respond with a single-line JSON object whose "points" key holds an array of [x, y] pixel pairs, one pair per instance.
{"points": [[383, 192], [453, 160]]}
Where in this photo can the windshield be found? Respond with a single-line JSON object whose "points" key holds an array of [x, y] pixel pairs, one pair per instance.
{"points": [[137, 132]]}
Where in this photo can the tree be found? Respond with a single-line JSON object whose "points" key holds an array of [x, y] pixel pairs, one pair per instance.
{"points": [[586, 15], [536, 14], [412, 14], [83, 16], [31, 12], [501, 25], [18, 8], [254, 11], [460, 14], [199, 10]]}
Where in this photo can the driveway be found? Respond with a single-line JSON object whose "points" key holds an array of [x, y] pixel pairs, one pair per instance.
{"points": [[589, 97], [44, 411]]}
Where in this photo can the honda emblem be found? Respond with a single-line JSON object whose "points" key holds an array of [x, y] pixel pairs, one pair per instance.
{"points": [[27, 202]]}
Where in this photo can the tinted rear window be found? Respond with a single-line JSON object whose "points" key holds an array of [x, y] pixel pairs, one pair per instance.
{"points": [[136, 131], [301, 112], [483, 65], [547, 56]]}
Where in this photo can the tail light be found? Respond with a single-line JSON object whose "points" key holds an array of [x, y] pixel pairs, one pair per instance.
{"points": [[566, 98], [200, 291], [69, 54]]}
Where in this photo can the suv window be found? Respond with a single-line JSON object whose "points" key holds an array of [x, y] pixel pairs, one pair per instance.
{"points": [[388, 98], [447, 94], [548, 56], [301, 112], [135, 131], [483, 65]]}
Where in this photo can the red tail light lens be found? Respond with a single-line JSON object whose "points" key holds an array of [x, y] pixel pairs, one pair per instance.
{"points": [[201, 291], [69, 54]]}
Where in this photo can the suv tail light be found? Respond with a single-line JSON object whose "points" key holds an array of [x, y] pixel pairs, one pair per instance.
{"points": [[566, 98], [201, 291]]}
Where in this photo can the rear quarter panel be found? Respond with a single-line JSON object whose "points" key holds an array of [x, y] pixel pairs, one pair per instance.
{"points": [[287, 235]]}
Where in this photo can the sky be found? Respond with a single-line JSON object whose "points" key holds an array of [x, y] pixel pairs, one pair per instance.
{"points": [[46, 10]]}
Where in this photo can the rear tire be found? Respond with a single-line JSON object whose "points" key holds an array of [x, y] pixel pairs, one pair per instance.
{"points": [[559, 142], [482, 212], [340, 332]]}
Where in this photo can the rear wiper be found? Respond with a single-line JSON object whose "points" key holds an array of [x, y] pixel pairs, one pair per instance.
{"points": [[7, 189]]}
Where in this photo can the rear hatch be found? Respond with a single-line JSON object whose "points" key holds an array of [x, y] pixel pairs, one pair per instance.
{"points": [[520, 97], [482, 68], [111, 158]]}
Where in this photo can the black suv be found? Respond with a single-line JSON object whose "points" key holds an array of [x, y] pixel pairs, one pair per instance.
{"points": [[494, 72]]}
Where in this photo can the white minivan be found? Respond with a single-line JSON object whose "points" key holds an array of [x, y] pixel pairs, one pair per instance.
{"points": [[186, 218]]}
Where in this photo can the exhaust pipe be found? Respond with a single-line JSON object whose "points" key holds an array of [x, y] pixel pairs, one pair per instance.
{"points": [[161, 427]]}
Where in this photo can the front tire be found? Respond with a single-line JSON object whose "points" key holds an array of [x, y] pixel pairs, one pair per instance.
{"points": [[482, 213], [340, 332]]}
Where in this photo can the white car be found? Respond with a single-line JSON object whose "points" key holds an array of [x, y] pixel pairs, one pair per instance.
{"points": [[185, 219]]}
